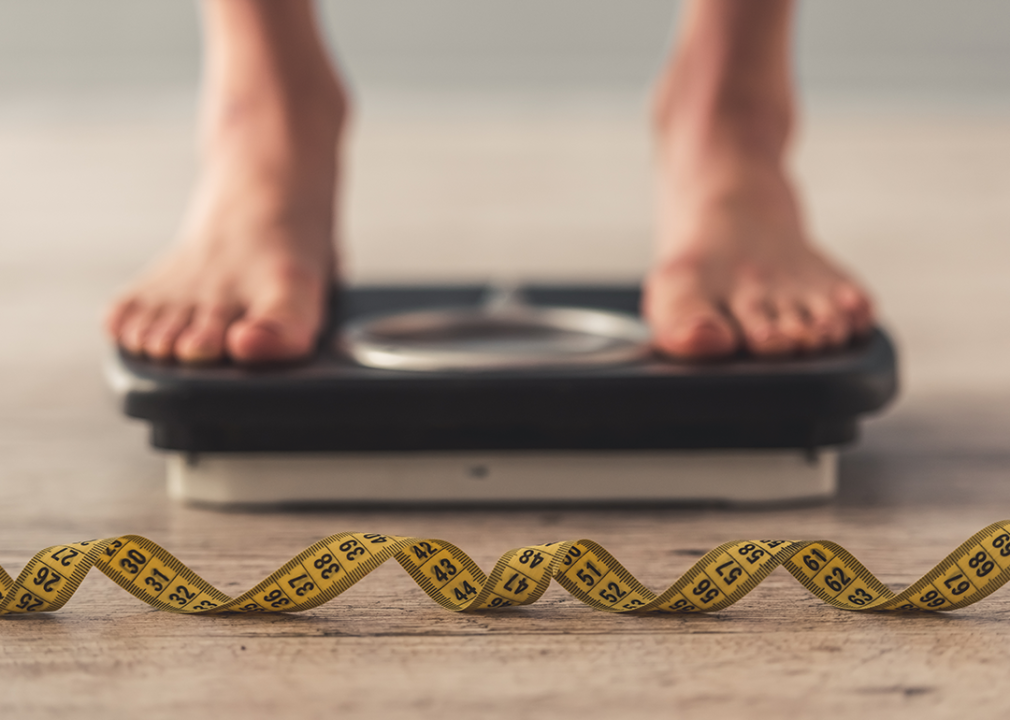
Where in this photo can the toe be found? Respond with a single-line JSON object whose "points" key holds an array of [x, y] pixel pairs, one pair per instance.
{"points": [[828, 321], [160, 339], [136, 327], [269, 338], [685, 323], [856, 306], [796, 324], [203, 340], [792, 326], [117, 315], [759, 327], [284, 326], [695, 333]]}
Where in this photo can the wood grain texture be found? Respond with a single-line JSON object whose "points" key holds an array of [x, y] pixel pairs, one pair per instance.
{"points": [[926, 476]]}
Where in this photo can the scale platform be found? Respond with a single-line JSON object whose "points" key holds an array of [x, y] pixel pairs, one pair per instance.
{"points": [[636, 428]]}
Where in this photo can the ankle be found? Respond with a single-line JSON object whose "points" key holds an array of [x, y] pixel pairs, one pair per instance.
{"points": [[714, 198], [708, 103], [745, 130], [719, 144], [270, 168], [298, 117]]}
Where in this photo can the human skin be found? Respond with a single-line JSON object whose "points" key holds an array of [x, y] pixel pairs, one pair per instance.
{"points": [[249, 274], [735, 268]]}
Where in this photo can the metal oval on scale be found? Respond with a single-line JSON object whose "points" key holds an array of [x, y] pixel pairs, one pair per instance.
{"points": [[503, 334]]}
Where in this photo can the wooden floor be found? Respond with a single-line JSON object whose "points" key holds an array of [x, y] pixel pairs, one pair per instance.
{"points": [[921, 204]]}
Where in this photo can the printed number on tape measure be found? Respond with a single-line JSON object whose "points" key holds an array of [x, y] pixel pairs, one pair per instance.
{"points": [[584, 568]]}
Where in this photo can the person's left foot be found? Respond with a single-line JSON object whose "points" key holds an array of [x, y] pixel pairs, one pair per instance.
{"points": [[739, 274], [735, 267]]}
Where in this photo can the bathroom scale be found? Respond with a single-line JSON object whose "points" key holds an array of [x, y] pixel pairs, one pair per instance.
{"points": [[474, 394]]}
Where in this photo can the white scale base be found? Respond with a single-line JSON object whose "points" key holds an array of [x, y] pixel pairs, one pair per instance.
{"points": [[724, 476]]}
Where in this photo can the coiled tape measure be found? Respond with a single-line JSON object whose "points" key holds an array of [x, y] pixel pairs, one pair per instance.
{"points": [[585, 569]]}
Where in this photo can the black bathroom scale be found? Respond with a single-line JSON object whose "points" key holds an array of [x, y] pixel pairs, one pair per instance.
{"points": [[468, 394]]}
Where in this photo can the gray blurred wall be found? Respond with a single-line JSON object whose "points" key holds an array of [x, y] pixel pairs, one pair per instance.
{"points": [[951, 51]]}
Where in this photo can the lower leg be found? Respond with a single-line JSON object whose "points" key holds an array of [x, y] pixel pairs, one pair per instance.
{"points": [[735, 268], [249, 275]]}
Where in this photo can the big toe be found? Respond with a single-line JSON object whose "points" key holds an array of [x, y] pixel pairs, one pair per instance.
{"points": [[269, 339], [283, 321], [698, 336], [690, 327], [283, 328]]}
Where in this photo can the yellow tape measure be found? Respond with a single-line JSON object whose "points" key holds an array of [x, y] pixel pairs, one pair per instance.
{"points": [[319, 573]]}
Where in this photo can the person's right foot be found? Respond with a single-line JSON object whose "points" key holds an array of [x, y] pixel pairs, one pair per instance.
{"points": [[249, 277]]}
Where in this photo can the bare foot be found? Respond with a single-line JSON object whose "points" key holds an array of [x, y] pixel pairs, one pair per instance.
{"points": [[735, 269], [249, 276], [739, 273]]}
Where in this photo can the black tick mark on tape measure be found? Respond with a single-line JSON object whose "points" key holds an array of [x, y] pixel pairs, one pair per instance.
{"points": [[690, 594]]}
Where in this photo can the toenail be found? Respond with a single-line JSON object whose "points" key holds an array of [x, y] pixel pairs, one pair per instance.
{"points": [[201, 356], [201, 348]]}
